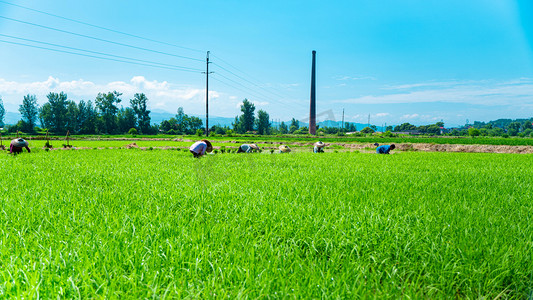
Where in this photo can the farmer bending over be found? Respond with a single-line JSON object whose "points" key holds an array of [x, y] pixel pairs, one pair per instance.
{"points": [[199, 148], [319, 147], [284, 149], [247, 148], [385, 149], [17, 145]]}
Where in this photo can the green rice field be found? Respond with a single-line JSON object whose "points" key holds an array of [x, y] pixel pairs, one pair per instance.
{"points": [[131, 224]]}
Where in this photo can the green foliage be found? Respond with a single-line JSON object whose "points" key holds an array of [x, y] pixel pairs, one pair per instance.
{"points": [[245, 122], [139, 106], [199, 132], [2, 113], [473, 132], [30, 112], [367, 130], [132, 131], [53, 114], [263, 122], [294, 125], [107, 106], [283, 128]]}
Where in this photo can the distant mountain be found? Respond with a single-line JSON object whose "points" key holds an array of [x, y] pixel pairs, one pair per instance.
{"points": [[158, 116], [12, 117]]}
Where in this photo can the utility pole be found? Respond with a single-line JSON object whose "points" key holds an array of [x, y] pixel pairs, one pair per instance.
{"points": [[207, 95], [368, 120]]}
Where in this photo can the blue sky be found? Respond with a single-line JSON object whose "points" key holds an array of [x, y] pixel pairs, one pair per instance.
{"points": [[399, 61]]}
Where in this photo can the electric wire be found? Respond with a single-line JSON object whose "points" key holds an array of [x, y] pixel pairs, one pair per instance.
{"points": [[241, 71], [140, 61], [271, 99], [101, 27], [99, 39], [100, 53], [99, 57], [253, 83], [288, 105]]}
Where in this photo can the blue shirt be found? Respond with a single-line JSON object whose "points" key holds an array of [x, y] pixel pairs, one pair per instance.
{"points": [[385, 149]]}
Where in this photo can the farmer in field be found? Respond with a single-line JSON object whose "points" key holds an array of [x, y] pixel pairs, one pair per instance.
{"points": [[385, 149], [319, 147], [17, 144], [247, 148], [200, 148], [284, 149]]}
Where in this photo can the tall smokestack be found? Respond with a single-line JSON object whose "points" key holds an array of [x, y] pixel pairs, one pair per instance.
{"points": [[312, 110]]}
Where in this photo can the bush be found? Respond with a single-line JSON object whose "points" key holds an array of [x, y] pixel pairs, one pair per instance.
{"points": [[132, 131], [199, 132]]}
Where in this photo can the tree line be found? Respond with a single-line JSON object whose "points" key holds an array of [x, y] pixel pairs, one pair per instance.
{"points": [[103, 116]]}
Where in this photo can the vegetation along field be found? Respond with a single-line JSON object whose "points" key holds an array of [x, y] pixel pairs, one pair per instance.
{"points": [[121, 223]]}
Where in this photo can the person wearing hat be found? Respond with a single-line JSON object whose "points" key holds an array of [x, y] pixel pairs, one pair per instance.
{"points": [[319, 147], [17, 145], [247, 148], [200, 148], [284, 149], [384, 149]]}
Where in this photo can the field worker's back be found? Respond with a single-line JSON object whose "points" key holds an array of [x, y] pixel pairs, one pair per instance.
{"points": [[246, 148], [385, 149], [198, 148]]}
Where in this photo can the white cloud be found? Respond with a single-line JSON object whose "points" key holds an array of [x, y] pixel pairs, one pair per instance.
{"points": [[356, 77], [479, 93], [380, 115], [160, 94], [411, 116]]}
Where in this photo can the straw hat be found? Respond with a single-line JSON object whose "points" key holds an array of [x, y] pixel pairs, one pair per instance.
{"points": [[284, 148], [209, 146], [254, 146], [19, 143], [319, 144]]}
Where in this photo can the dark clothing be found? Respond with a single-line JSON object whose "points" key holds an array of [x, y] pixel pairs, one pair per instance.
{"points": [[196, 155], [16, 150], [385, 149]]}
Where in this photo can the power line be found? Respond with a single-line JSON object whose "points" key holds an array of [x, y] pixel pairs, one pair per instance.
{"points": [[275, 94], [261, 97], [99, 57], [100, 53], [99, 39], [101, 27]]}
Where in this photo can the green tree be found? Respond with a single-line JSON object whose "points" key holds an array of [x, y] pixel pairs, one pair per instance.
{"points": [[53, 114], [2, 113], [87, 116], [30, 112], [283, 128], [107, 106], [405, 127], [247, 118], [433, 129], [527, 125], [72, 124], [294, 125], [513, 128], [263, 122], [126, 119], [194, 123], [367, 130], [473, 132], [138, 103]]}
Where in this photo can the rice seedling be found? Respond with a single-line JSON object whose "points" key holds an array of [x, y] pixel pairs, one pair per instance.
{"points": [[137, 224]]}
